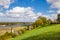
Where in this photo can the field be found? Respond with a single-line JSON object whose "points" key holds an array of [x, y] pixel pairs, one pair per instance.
{"points": [[8, 29], [41, 33]]}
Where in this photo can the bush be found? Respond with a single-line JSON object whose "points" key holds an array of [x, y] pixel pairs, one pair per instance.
{"points": [[7, 35], [22, 30]]}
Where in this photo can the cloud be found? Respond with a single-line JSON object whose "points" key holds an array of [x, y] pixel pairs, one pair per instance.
{"points": [[51, 11], [1, 14], [6, 3], [22, 14], [58, 11], [20, 11], [54, 3], [53, 16]]}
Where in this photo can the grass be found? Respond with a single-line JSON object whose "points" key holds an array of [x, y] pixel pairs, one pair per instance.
{"points": [[43, 33]]}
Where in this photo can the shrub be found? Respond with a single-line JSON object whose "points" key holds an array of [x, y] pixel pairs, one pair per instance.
{"points": [[22, 30], [7, 35]]}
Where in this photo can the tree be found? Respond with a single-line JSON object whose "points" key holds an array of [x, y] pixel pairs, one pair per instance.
{"points": [[49, 21], [41, 21], [58, 18]]}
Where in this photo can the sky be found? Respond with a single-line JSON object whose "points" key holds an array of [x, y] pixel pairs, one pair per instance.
{"points": [[28, 10]]}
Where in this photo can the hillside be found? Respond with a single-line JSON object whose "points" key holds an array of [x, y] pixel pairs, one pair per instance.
{"points": [[43, 33]]}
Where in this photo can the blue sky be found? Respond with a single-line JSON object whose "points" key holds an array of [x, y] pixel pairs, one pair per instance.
{"points": [[11, 10], [38, 5]]}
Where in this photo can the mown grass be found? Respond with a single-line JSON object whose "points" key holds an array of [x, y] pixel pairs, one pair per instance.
{"points": [[43, 33]]}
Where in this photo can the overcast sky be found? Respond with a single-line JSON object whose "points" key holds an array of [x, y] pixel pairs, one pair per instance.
{"points": [[28, 10]]}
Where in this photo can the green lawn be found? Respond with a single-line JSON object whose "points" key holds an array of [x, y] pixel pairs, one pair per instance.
{"points": [[43, 33]]}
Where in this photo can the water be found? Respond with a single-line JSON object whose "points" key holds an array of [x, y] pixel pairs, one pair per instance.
{"points": [[2, 26]]}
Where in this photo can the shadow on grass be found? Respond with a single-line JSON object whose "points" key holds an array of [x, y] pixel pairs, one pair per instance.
{"points": [[55, 36]]}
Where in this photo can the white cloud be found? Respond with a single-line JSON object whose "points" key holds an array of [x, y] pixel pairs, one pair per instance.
{"points": [[6, 3], [53, 16], [39, 14], [50, 11], [23, 14], [1, 14], [20, 11], [58, 11], [54, 3]]}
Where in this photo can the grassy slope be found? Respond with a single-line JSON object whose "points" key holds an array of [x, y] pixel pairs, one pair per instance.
{"points": [[45, 33]]}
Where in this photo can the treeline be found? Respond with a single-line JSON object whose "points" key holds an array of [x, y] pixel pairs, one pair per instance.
{"points": [[15, 23], [58, 18], [42, 21]]}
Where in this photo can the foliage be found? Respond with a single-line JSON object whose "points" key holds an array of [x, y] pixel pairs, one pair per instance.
{"points": [[44, 33], [7, 35], [22, 30], [58, 18], [41, 21], [49, 21]]}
